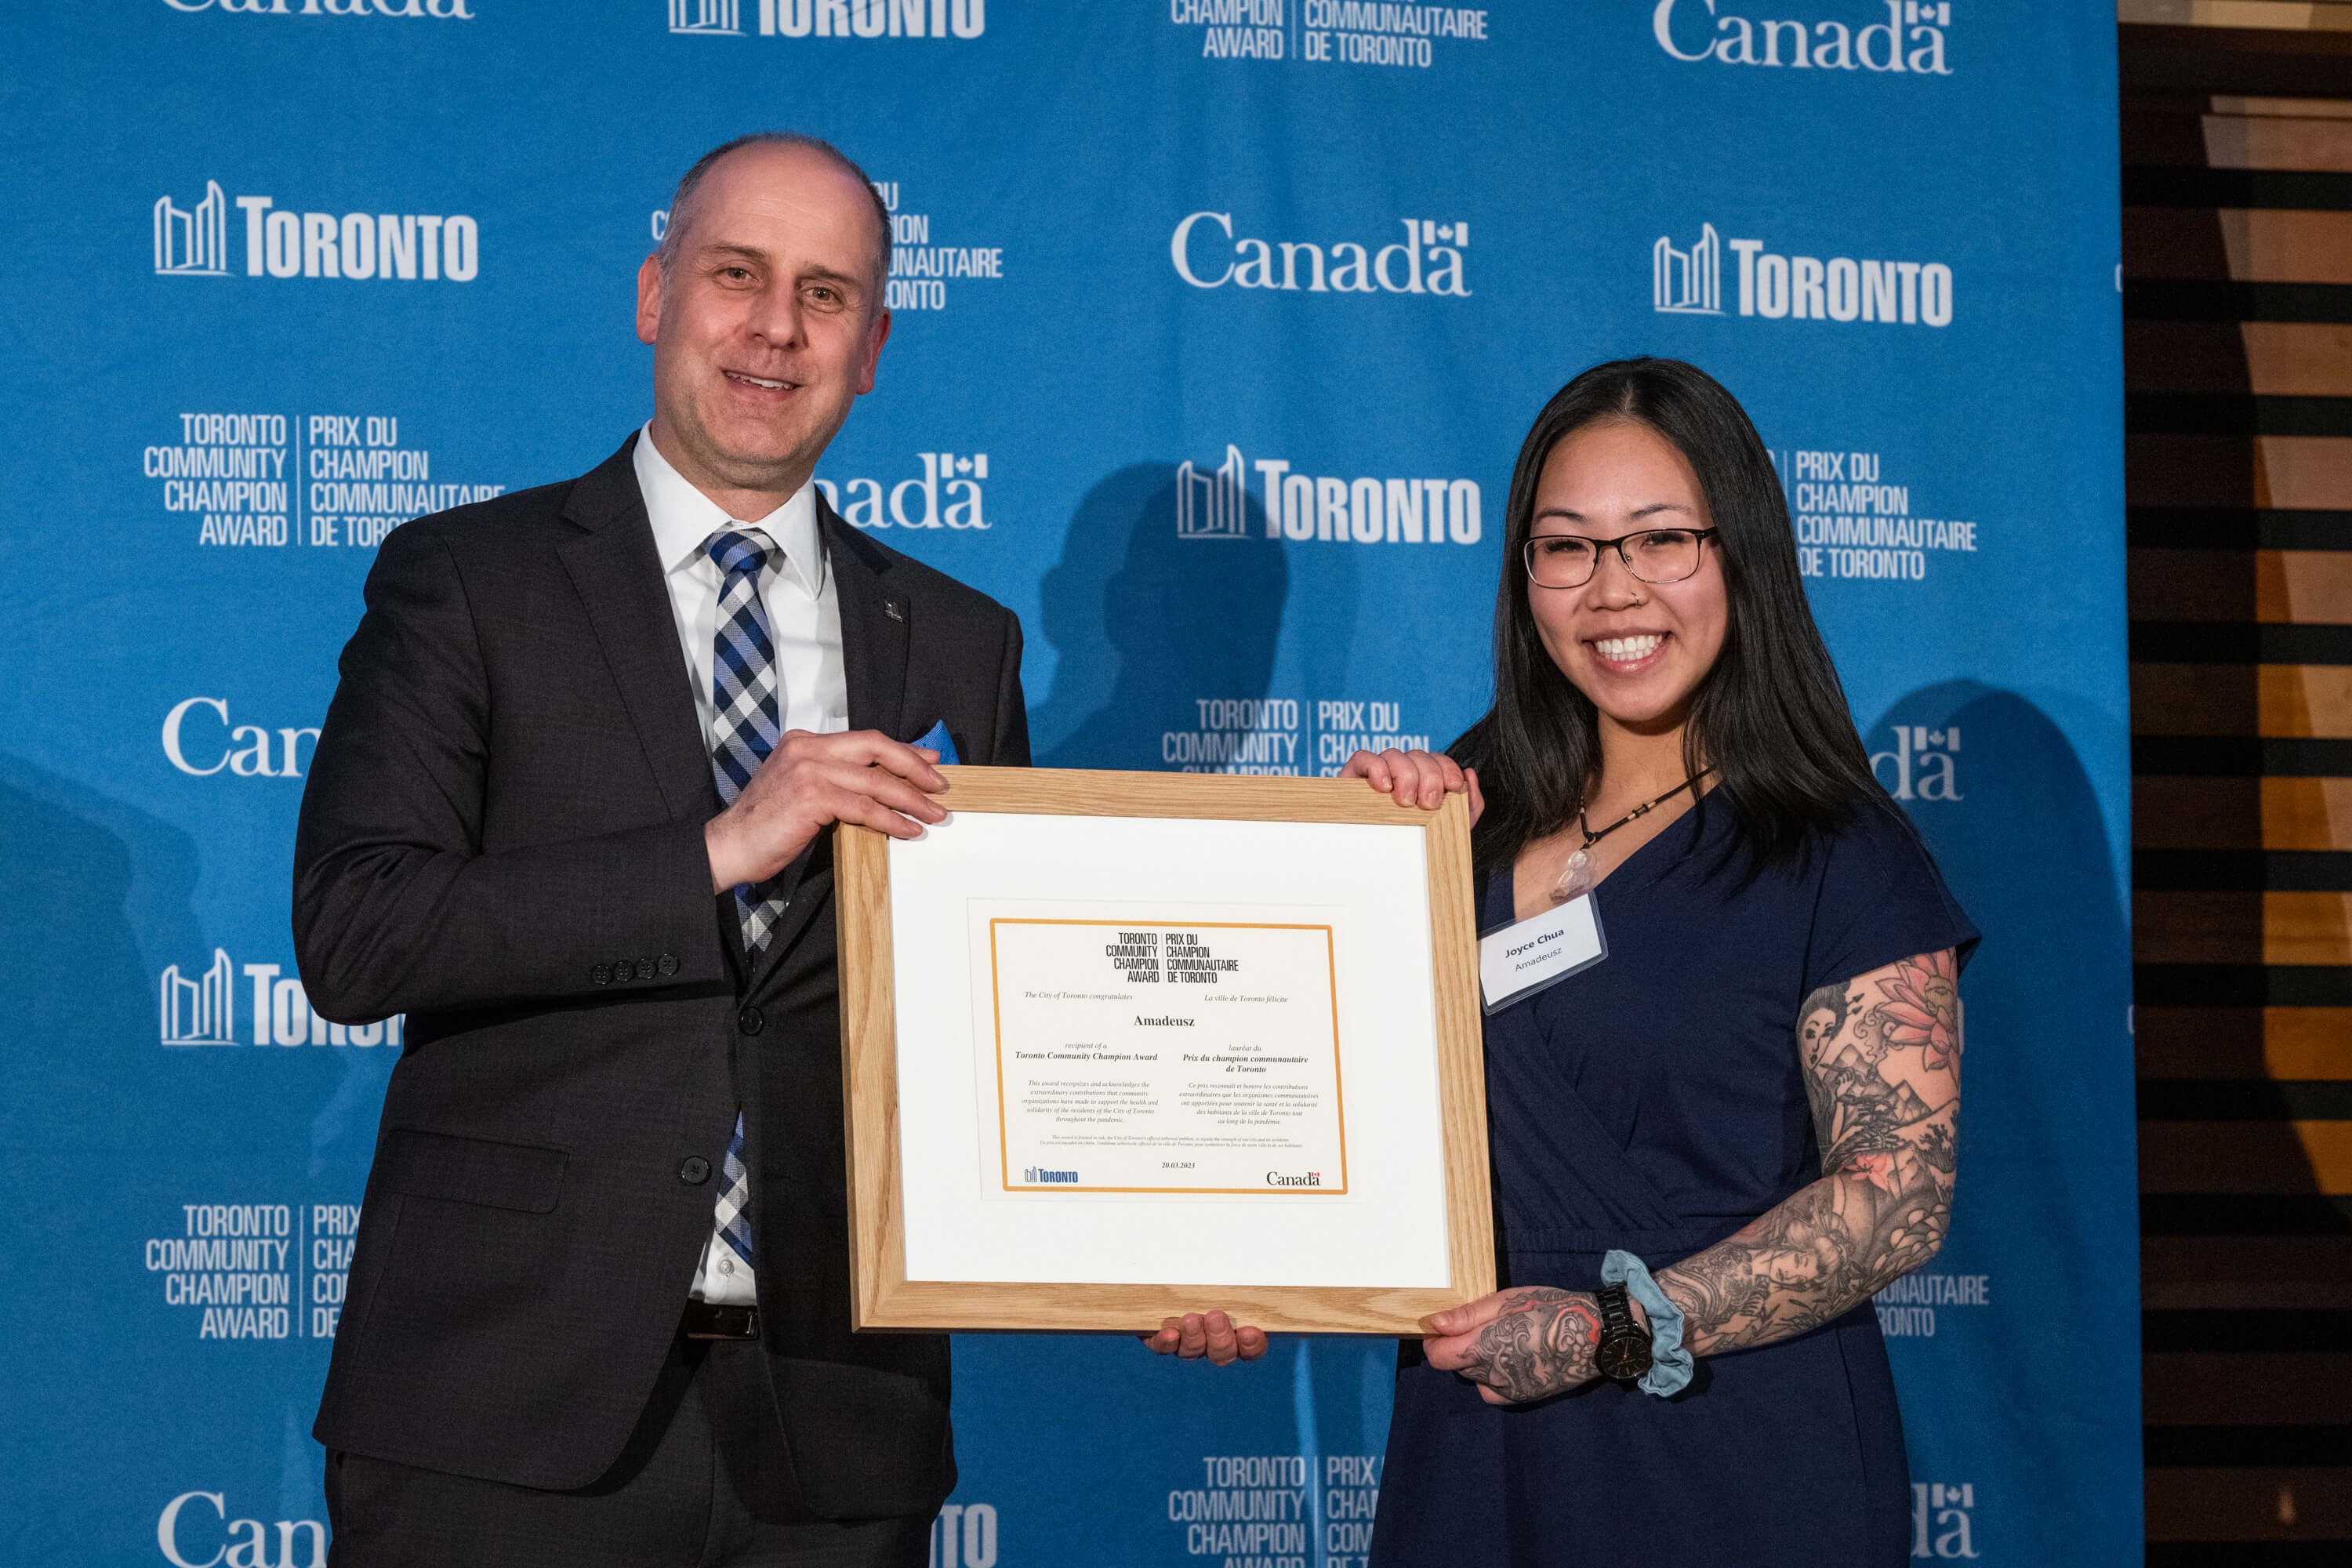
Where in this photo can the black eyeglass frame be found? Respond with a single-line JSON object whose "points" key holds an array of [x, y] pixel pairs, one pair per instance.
{"points": [[1528, 555]]}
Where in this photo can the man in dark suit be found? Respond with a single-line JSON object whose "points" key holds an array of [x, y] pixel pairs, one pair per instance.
{"points": [[570, 812]]}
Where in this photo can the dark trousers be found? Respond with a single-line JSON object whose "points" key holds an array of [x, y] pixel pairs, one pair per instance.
{"points": [[704, 1480]]}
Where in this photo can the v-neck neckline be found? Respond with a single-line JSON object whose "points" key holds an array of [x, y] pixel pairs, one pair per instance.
{"points": [[1510, 873]]}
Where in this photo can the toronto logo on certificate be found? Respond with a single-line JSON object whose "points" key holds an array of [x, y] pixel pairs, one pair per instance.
{"points": [[1158, 1052]]}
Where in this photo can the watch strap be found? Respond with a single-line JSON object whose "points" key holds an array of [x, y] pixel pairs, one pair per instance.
{"points": [[1623, 1355], [1616, 1311]]}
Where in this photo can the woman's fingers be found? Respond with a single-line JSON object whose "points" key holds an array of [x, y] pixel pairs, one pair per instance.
{"points": [[1425, 789], [1412, 773], [1421, 779], [1396, 768], [1448, 779]]}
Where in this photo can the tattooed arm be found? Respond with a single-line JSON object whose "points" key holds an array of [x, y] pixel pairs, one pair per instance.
{"points": [[1881, 1055]]}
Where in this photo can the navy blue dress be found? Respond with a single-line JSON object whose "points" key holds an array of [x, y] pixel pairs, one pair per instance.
{"points": [[1655, 1104]]}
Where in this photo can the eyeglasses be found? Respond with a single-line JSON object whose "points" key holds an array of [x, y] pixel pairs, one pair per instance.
{"points": [[1652, 555]]}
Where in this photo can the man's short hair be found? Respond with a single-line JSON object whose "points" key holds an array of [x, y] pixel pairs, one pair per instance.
{"points": [[682, 200]]}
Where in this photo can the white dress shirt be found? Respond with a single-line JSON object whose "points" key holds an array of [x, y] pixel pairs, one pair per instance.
{"points": [[804, 617]]}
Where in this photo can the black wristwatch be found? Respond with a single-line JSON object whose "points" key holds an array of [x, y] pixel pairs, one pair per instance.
{"points": [[1623, 1352]]}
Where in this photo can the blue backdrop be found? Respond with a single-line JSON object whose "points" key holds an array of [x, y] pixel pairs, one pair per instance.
{"points": [[1218, 324]]}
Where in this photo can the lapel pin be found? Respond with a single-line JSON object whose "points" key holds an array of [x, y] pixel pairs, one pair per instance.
{"points": [[890, 608]]}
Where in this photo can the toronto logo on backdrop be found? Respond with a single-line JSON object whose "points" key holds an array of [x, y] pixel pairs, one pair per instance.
{"points": [[194, 242], [1687, 280], [1358, 510], [1884, 37], [202, 1010], [829, 18], [198, 1007]]}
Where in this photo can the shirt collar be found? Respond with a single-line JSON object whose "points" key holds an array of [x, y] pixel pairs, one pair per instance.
{"points": [[683, 519]]}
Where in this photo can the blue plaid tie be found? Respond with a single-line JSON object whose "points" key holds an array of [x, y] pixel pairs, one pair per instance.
{"points": [[750, 721]]}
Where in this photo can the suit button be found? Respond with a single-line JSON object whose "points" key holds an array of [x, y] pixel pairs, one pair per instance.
{"points": [[694, 1170], [645, 969], [667, 965], [749, 1021], [600, 975]]}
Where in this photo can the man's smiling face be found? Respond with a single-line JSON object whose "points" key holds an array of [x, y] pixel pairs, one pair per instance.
{"points": [[766, 325]]}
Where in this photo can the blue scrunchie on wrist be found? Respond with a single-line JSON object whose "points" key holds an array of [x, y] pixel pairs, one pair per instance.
{"points": [[1670, 1364]]}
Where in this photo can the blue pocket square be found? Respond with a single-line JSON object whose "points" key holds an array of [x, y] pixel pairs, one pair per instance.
{"points": [[936, 738]]}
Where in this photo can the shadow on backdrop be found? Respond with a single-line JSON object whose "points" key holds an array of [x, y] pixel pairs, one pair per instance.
{"points": [[78, 1030], [2024, 847], [1144, 623]]}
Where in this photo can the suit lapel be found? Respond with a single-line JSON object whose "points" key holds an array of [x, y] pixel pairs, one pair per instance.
{"points": [[875, 621], [618, 573]]}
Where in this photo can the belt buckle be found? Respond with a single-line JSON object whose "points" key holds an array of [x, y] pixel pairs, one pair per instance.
{"points": [[704, 1321]]}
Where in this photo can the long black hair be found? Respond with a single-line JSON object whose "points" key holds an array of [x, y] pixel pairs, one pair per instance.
{"points": [[1770, 717]]}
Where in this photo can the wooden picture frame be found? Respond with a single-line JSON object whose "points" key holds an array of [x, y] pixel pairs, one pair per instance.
{"points": [[884, 1297]]}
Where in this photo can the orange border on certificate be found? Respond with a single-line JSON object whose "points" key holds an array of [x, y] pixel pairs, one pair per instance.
{"points": [[1339, 1094]]}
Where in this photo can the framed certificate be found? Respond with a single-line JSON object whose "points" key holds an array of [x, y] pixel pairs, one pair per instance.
{"points": [[1122, 1046]]}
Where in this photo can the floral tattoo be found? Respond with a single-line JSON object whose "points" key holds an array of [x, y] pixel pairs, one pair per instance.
{"points": [[1881, 1057]]}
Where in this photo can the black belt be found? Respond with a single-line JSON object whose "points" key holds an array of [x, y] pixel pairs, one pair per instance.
{"points": [[704, 1321]]}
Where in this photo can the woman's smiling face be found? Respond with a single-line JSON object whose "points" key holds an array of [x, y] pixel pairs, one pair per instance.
{"points": [[1638, 650]]}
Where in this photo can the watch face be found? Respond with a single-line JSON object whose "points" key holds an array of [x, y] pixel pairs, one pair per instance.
{"points": [[1622, 1357]]}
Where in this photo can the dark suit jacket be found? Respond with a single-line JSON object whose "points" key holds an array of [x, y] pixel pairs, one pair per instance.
{"points": [[503, 837]]}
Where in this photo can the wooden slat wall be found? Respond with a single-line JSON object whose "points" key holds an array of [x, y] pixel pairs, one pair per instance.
{"points": [[2237, 153], [2272, 15]]}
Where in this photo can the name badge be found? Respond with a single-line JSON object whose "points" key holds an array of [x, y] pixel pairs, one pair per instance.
{"points": [[1518, 959]]}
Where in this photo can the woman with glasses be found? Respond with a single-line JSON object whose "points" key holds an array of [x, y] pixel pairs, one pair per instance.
{"points": [[1711, 1146]]}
